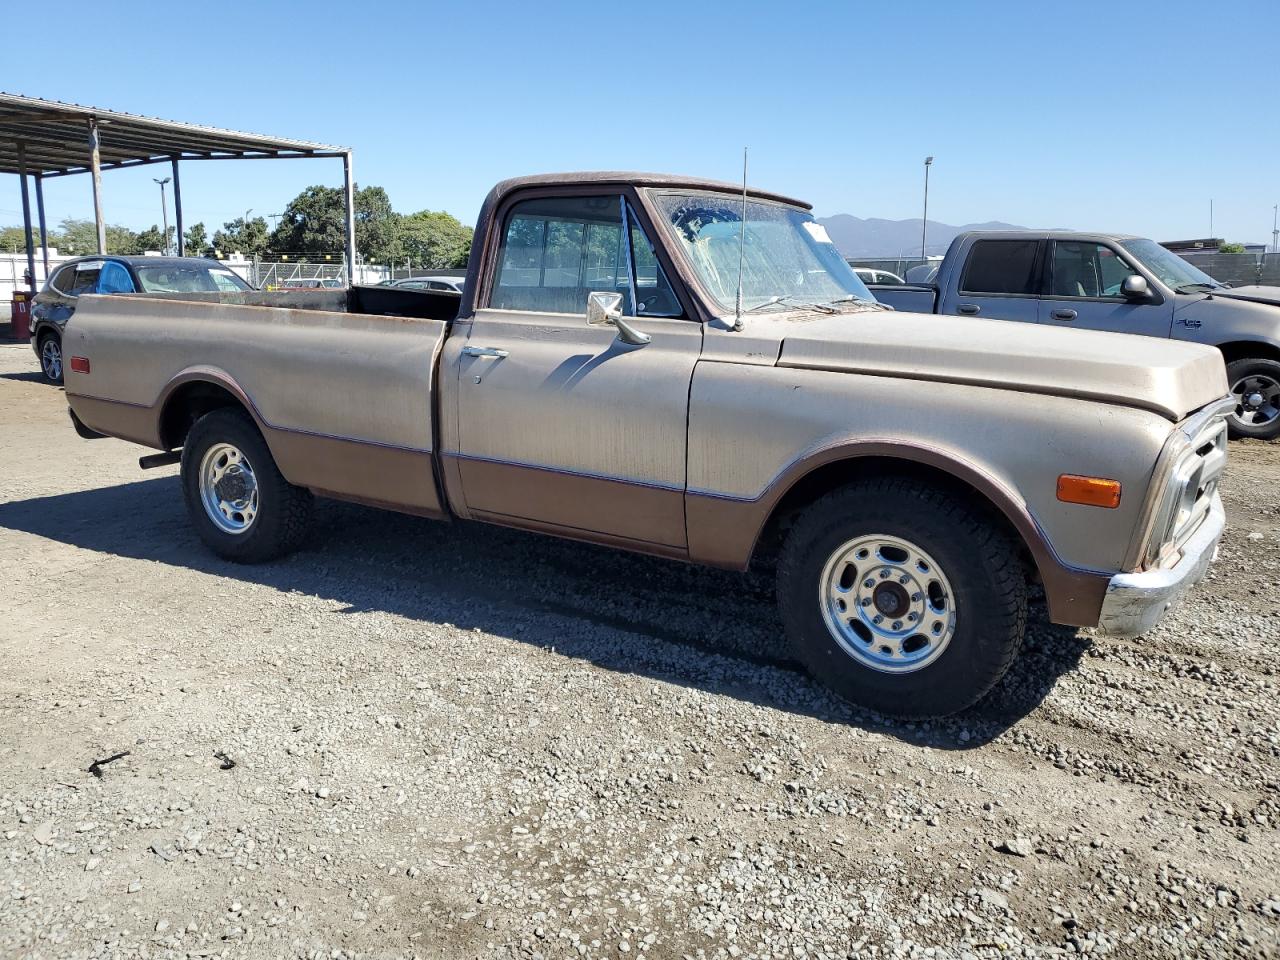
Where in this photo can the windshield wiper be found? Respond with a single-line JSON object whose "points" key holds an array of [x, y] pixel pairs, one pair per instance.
{"points": [[1192, 287], [794, 302], [854, 298]]}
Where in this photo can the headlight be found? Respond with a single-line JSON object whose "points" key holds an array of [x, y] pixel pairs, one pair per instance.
{"points": [[1189, 492]]}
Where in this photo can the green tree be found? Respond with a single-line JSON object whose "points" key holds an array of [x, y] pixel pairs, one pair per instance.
{"points": [[1232, 248], [153, 239], [434, 240], [80, 238], [314, 222], [248, 237], [196, 241]]}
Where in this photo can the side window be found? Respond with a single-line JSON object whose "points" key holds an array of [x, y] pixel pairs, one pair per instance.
{"points": [[64, 279], [114, 279], [86, 278], [1001, 266], [1086, 270], [557, 250]]}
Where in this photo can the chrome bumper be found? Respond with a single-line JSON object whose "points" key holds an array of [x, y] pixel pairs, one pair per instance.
{"points": [[1135, 602]]}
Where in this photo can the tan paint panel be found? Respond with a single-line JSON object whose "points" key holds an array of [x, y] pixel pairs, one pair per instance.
{"points": [[1165, 376], [354, 376], [749, 424]]}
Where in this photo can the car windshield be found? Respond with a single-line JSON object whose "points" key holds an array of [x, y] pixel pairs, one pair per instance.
{"points": [[1168, 267], [787, 260], [188, 278]]}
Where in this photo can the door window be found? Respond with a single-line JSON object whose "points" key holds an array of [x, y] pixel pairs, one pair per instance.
{"points": [[1086, 270], [1001, 267], [556, 250], [114, 278], [86, 278]]}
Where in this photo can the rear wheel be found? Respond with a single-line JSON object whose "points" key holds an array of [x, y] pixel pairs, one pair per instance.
{"points": [[902, 597], [241, 506], [51, 357], [1255, 384]]}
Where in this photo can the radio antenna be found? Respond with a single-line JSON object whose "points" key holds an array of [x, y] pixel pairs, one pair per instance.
{"points": [[742, 244]]}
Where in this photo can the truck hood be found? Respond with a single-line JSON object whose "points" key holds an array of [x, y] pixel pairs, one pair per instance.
{"points": [[1167, 377], [1254, 293]]}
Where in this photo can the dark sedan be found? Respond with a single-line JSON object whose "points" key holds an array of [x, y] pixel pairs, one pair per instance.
{"points": [[55, 304]]}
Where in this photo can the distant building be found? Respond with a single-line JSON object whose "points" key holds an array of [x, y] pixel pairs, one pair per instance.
{"points": [[1207, 245]]}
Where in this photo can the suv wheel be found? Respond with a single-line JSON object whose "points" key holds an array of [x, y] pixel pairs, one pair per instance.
{"points": [[51, 357], [901, 597]]}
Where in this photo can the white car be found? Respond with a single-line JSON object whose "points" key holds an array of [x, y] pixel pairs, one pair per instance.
{"points": [[439, 284], [869, 275]]}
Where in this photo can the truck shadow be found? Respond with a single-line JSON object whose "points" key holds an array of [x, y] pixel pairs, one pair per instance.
{"points": [[709, 629]]}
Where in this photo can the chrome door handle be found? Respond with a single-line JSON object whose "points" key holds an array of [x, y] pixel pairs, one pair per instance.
{"points": [[491, 352], [968, 308], [1063, 314]]}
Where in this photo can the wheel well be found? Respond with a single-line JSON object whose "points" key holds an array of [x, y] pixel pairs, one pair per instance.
{"points": [[832, 476], [189, 403], [1249, 350]]}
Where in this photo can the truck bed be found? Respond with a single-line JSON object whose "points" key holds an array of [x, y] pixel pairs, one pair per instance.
{"points": [[339, 382]]}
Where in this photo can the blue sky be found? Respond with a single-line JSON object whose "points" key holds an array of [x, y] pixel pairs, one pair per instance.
{"points": [[1086, 115]]}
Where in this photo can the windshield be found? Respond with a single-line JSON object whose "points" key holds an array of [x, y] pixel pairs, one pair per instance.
{"points": [[1168, 267], [787, 259], [188, 278]]}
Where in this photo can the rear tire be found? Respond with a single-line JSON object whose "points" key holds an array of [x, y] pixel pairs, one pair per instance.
{"points": [[944, 581], [1255, 384], [241, 506], [50, 345]]}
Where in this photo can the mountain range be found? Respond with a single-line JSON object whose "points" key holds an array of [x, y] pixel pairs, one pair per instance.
{"points": [[873, 237]]}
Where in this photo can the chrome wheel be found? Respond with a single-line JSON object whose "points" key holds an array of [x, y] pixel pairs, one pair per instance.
{"points": [[51, 358], [1257, 399], [887, 603], [228, 488]]}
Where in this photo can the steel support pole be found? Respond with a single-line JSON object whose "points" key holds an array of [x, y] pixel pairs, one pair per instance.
{"points": [[44, 230], [177, 208], [26, 217], [95, 167], [350, 186]]}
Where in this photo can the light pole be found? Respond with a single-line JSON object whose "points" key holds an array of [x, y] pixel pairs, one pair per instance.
{"points": [[164, 211], [1275, 228], [924, 223]]}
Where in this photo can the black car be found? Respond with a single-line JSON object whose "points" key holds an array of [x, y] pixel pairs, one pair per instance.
{"points": [[55, 304]]}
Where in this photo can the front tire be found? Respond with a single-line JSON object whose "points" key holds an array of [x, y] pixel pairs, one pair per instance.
{"points": [[901, 597], [242, 507], [1255, 385], [51, 358]]}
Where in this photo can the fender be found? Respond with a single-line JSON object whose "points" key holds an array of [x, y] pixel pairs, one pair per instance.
{"points": [[725, 531]]}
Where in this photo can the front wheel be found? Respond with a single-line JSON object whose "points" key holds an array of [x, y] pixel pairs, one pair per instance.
{"points": [[1255, 385], [51, 357], [901, 597], [240, 504]]}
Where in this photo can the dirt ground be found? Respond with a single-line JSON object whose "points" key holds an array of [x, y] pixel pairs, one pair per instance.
{"points": [[414, 739]]}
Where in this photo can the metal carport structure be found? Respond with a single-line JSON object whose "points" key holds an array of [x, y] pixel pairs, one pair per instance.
{"points": [[40, 139]]}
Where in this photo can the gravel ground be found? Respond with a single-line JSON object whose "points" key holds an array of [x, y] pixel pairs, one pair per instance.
{"points": [[415, 739]]}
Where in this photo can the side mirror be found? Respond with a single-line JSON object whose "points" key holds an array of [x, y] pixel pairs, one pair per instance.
{"points": [[605, 309], [1135, 287]]}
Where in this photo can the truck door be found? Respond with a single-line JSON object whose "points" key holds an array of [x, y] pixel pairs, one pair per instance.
{"points": [[561, 425], [998, 281], [1083, 290]]}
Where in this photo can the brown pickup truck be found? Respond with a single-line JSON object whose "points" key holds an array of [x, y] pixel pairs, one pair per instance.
{"points": [[676, 367]]}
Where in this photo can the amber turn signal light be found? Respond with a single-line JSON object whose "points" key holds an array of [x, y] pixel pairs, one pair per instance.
{"points": [[1090, 491]]}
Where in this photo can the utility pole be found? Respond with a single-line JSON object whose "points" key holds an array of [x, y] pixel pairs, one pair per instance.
{"points": [[924, 223], [1275, 229], [164, 211], [1211, 219]]}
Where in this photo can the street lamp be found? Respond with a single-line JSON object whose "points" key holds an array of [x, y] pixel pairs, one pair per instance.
{"points": [[924, 223], [164, 210]]}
